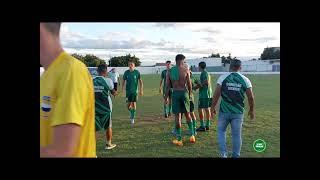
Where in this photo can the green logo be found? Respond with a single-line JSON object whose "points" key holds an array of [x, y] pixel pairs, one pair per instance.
{"points": [[259, 145]]}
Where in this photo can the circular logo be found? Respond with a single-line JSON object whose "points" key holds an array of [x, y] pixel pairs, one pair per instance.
{"points": [[259, 145]]}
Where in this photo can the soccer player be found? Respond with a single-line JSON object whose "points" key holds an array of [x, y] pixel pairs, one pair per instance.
{"points": [[232, 87], [194, 82], [179, 77], [131, 77], [167, 107], [205, 97], [66, 100], [115, 77], [103, 87]]}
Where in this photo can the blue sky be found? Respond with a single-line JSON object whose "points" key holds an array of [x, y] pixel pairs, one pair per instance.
{"points": [[157, 42]]}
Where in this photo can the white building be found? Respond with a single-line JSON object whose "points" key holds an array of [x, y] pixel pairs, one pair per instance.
{"points": [[261, 65], [208, 61]]}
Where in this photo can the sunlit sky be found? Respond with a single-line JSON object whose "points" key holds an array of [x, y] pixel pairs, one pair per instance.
{"points": [[158, 42]]}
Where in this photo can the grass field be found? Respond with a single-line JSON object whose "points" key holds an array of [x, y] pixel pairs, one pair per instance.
{"points": [[151, 137]]}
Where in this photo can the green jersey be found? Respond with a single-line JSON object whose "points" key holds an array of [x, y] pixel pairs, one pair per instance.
{"points": [[233, 88], [205, 91], [102, 90], [131, 81], [163, 77]]}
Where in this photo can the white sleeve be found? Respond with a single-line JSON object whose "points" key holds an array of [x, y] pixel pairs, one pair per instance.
{"points": [[248, 82], [109, 83], [222, 78]]}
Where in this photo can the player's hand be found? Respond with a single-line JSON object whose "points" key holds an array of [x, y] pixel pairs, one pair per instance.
{"points": [[160, 90], [251, 114], [213, 112], [141, 93]]}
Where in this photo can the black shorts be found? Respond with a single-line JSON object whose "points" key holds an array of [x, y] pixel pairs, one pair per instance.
{"points": [[115, 86]]}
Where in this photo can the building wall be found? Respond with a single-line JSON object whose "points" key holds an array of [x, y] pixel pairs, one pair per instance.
{"points": [[208, 61]]}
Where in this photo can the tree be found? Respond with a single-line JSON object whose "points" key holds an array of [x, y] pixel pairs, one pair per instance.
{"points": [[227, 60], [89, 60], [270, 53], [122, 61], [214, 55]]}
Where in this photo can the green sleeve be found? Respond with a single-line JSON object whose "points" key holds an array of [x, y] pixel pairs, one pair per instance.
{"points": [[162, 75], [125, 75], [138, 74]]}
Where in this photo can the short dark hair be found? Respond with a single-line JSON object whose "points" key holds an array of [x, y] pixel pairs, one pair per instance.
{"points": [[168, 62], [180, 57], [54, 28], [202, 64], [235, 64], [131, 61], [102, 68]]}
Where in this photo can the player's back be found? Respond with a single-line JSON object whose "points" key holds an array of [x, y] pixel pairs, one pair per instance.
{"points": [[180, 83]]}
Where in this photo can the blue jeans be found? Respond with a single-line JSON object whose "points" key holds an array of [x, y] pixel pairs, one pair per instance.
{"points": [[236, 121]]}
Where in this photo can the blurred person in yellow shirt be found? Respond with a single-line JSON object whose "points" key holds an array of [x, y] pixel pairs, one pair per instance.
{"points": [[67, 107]]}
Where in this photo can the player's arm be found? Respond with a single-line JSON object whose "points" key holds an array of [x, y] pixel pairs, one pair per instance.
{"points": [[110, 86], [141, 87], [215, 99], [189, 85], [123, 84], [160, 88], [65, 140], [167, 90], [250, 96]]}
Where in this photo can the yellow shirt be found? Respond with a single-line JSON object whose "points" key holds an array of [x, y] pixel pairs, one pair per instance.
{"points": [[67, 96]]}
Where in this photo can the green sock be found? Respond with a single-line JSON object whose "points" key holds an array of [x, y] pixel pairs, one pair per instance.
{"points": [[202, 123], [170, 108], [165, 109], [191, 129], [208, 123], [194, 124], [133, 113], [130, 111], [179, 131]]}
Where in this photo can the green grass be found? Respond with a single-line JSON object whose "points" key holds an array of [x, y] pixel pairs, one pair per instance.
{"points": [[150, 137]]}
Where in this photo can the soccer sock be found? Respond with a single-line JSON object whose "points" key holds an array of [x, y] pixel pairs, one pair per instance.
{"points": [[179, 132], [191, 129], [208, 123], [170, 108], [130, 113], [194, 124], [165, 109], [201, 123], [133, 113]]}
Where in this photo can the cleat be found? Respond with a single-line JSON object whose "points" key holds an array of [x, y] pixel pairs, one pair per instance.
{"points": [[178, 143], [192, 139], [201, 129]]}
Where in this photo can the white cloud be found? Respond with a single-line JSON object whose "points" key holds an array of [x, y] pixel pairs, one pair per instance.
{"points": [[195, 40]]}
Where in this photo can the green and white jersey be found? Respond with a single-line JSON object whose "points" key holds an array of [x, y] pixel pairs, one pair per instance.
{"points": [[233, 88], [205, 91], [102, 91], [131, 81]]}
